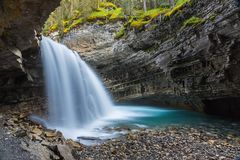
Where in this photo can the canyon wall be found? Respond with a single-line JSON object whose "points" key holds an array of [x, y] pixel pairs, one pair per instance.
{"points": [[195, 67], [167, 64], [20, 77]]}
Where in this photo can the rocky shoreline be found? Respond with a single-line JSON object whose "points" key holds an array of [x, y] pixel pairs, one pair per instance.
{"points": [[25, 139], [170, 143]]}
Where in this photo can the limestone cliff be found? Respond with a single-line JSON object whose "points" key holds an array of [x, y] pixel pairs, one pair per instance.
{"points": [[19, 56], [196, 66]]}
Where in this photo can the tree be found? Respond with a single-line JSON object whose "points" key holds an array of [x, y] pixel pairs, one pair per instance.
{"points": [[145, 5], [171, 3]]}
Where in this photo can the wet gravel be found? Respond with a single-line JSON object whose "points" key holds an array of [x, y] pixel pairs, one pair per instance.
{"points": [[171, 143], [203, 142], [10, 146]]}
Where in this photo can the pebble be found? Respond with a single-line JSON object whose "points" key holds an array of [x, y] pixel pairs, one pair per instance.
{"points": [[175, 142], [169, 143]]}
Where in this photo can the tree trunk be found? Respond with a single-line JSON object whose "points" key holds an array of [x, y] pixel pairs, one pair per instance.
{"points": [[171, 3], [145, 5]]}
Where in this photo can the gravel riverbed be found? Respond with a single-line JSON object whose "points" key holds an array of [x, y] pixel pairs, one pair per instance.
{"points": [[21, 139], [170, 143]]}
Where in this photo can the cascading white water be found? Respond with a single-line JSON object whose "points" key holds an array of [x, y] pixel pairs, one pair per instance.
{"points": [[76, 97]]}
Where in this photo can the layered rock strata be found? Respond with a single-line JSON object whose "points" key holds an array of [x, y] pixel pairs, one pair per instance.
{"points": [[20, 77], [195, 67]]}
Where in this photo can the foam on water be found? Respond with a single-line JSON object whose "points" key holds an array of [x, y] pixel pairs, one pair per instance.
{"points": [[76, 97], [79, 106], [78, 103]]}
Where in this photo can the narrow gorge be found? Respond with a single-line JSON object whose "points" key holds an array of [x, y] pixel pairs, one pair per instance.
{"points": [[186, 58]]}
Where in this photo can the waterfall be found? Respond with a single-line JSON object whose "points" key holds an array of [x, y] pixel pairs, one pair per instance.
{"points": [[76, 96]]}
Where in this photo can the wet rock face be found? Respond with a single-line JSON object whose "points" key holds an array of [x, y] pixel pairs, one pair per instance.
{"points": [[19, 58], [196, 67]]}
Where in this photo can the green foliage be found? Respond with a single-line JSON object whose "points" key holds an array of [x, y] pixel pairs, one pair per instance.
{"points": [[138, 24], [212, 17], [193, 21], [72, 13], [180, 2], [67, 15], [154, 13], [73, 25], [120, 33], [54, 27], [107, 11], [108, 5], [179, 5], [117, 14], [147, 17], [153, 27], [99, 14]]}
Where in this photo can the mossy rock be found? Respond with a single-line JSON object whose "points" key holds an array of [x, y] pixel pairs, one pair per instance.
{"points": [[100, 14], [117, 15], [193, 21], [154, 13], [65, 23], [179, 6], [105, 14], [101, 23], [139, 24], [107, 5], [66, 30], [120, 33], [141, 20], [76, 23]]}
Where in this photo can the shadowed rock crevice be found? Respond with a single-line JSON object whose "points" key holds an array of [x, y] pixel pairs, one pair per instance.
{"points": [[19, 74]]}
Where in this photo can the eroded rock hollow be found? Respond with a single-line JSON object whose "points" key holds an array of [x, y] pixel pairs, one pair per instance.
{"points": [[20, 77]]}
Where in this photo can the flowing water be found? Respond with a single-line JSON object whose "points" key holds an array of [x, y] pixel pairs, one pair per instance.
{"points": [[80, 107], [75, 95]]}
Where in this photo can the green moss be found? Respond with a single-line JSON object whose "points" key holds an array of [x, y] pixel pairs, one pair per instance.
{"points": [[76, 15], [179, 2], [120, 33], [100, 14], [101, 23], [138, 24], [107, 5], [212, 17], [65, 23], [193, 21], [73, 25], [152, 27], [116, 15], [154, 13], [105, 14], [179, 5], [54, 27], [137, 13], [76, 23], [66, 30], [139, 21]]}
